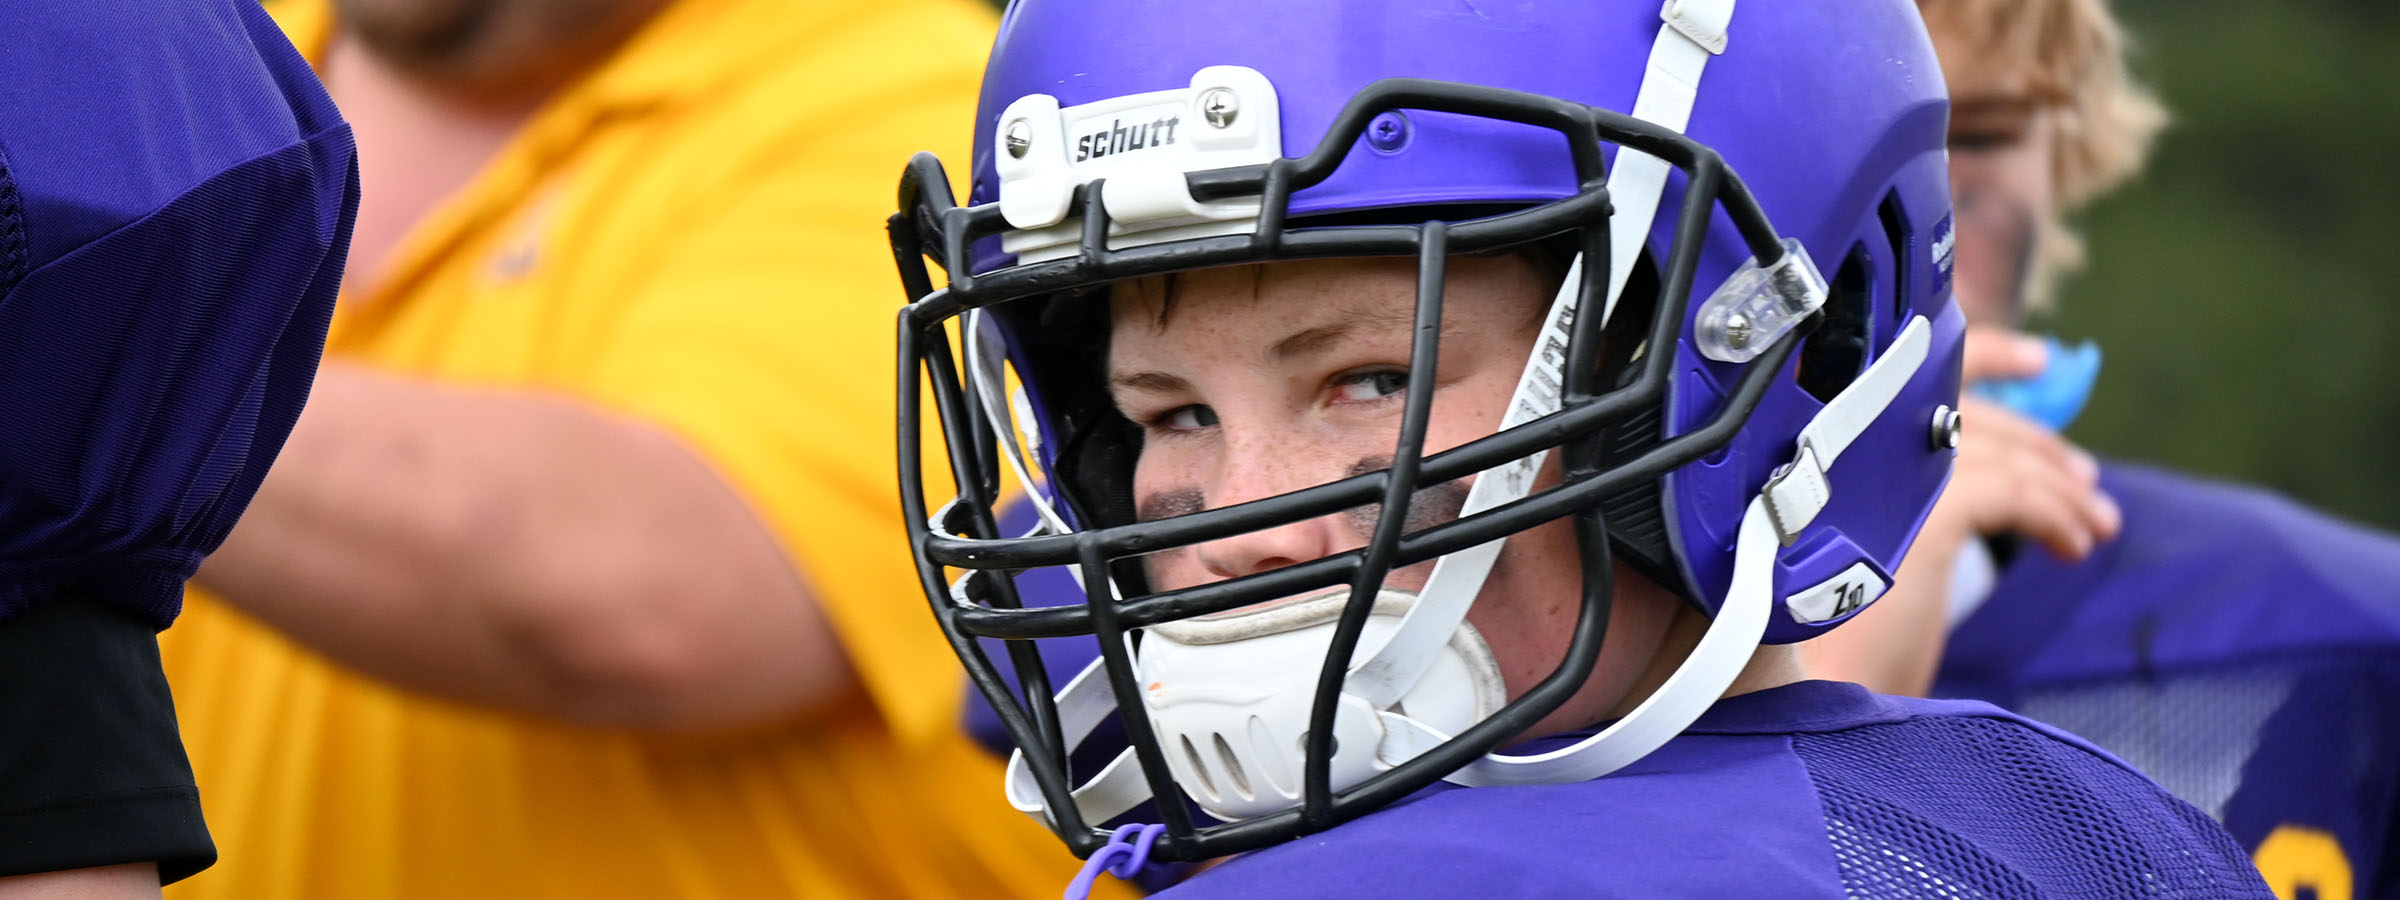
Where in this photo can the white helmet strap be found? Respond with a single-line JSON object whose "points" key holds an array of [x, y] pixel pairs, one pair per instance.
{"points": [[1693, 31]]}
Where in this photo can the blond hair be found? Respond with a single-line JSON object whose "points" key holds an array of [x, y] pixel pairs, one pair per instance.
{"points": [[2105, 119]]}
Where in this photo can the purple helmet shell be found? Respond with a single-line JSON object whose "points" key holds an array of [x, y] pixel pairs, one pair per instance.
{"points": [[1833, 113]]}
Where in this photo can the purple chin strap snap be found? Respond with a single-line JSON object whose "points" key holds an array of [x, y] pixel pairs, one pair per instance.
{"points": [[1127, 851]]}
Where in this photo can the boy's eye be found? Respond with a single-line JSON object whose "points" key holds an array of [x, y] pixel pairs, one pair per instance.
{"points": [[1987, 140], [1992, 124], [1188, 418], [1371, 385]]}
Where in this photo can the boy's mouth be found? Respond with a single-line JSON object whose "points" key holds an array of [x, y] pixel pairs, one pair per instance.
{"points": [[1277, 616]]}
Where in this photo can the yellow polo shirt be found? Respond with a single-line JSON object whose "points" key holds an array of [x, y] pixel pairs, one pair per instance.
{"points": [[693, 235]]}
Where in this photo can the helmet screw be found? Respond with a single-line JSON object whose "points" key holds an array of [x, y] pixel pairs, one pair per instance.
{"points": [[1388, 132], [1019, 139], [1219, 106], [1948, 425], [1737, 331]]}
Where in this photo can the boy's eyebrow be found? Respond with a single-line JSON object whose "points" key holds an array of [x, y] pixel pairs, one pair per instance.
{"points": [[1309, 340], [1148, 382], [1298, 343]]}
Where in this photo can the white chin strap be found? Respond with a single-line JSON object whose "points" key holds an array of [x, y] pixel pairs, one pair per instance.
{"points": [[1229, 695], [1693, 31]]}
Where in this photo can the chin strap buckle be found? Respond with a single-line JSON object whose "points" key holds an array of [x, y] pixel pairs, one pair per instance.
{"points": [[1702, 21], [1798, 492], [1127, 851]]}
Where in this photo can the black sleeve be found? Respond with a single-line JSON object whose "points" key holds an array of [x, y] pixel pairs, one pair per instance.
{"points": [[92, 770]]}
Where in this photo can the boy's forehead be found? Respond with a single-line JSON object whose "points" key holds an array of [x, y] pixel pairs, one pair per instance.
{"points": [[1378, 292], [1281, 312]]}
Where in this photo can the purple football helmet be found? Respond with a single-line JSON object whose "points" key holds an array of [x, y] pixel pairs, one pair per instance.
{"points": [[1755, 433]]}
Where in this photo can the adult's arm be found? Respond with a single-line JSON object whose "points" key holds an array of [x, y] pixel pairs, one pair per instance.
{"points": [[527, 550], [699, 527], [128, 881]]}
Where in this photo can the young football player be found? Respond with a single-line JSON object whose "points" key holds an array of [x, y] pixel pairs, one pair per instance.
{"points": [[2240, 648], [1452, 413]]}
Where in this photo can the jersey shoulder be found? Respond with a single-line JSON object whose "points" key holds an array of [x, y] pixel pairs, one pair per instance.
{"points": [[171, 95], [1966, 797], [2238, 647], [2204, 574], [1811, 790], [1706, 816]]}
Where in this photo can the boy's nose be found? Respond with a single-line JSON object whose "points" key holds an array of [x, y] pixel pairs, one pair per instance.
{"points": [[1263, 474]]}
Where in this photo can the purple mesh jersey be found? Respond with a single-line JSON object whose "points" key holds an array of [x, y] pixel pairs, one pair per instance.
{"points": [[2241, 649], [1973, 744], [1817, 789], [176, 194]]}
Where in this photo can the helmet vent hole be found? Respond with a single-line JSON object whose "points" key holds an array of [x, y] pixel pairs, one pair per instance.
{"points": [[1903, 242], [1233, 768], [1836, 354], [1199, 768]]}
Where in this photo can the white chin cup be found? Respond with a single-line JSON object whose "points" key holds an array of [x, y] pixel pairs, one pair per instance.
{"points": [[1229, 697]]}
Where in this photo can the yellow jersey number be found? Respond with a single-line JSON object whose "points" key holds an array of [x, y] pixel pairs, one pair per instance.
{"points": [[2303, 862]]}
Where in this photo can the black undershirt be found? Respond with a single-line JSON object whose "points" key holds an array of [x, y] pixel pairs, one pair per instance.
{"points": [[92, 769]]}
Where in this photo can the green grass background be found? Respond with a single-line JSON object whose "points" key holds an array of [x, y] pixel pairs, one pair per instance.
{"points": [[2246, 290]]}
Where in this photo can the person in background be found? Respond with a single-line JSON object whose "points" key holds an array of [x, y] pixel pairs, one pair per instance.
{"points": [[2243, 650], [176, 193], [578, 579]]}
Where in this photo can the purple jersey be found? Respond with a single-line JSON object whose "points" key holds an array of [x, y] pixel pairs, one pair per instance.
{"points": [[1817, 789], [176, 195], [1957, 758], [2241, 649]]}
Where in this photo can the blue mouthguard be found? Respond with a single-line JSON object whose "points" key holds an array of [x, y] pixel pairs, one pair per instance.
{"points": [[2055, 397]]}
